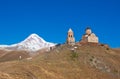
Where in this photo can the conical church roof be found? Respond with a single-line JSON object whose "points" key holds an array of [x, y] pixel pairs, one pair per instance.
{"points": [[70, 30]]}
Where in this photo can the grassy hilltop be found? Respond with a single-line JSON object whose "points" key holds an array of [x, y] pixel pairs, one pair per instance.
{"points": [[63, 62]]}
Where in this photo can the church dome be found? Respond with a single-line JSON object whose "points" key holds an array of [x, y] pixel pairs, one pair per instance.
{"points": [[88, 31], [88, 28]]}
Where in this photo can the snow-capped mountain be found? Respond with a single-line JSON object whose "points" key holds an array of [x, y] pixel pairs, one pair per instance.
{"points": [[32, 43]]}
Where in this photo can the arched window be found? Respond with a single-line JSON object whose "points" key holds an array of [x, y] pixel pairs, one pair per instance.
{"points": [[69, 35]]}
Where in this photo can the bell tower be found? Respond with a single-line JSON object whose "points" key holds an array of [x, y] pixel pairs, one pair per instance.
{"points": [[70, 37]]}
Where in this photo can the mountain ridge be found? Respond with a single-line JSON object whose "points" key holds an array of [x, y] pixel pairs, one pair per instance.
{"points": [[32, 43]]}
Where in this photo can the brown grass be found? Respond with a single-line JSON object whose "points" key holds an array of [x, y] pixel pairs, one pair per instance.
{"points": [[91, 62]]}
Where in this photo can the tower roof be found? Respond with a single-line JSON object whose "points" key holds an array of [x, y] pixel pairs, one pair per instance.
{"points": [[70, 30], [87, 28]]}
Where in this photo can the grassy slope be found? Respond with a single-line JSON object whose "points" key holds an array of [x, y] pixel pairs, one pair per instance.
{"points": [[12, 55], [86, 62]]}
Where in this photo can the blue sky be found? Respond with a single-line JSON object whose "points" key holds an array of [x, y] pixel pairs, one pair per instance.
{"points": [[51, 19]]}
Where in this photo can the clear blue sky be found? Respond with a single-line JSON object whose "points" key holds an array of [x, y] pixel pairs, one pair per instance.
{"points": [[51, 19]]}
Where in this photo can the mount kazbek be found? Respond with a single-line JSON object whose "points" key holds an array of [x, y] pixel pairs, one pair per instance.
{"points": [[32, 43]]}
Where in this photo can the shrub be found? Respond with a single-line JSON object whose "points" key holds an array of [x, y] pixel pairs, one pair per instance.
{"points": [[107, 48], [74, 55], [91, 59]]}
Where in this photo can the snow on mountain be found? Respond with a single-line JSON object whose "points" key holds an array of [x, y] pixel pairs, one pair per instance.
{"points": [[32, 43]]}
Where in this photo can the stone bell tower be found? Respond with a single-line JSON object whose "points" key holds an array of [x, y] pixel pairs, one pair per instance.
{"points": [[70, 37]]}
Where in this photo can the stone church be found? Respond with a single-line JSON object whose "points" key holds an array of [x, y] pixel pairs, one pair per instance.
{"points": [[89, 36]]}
